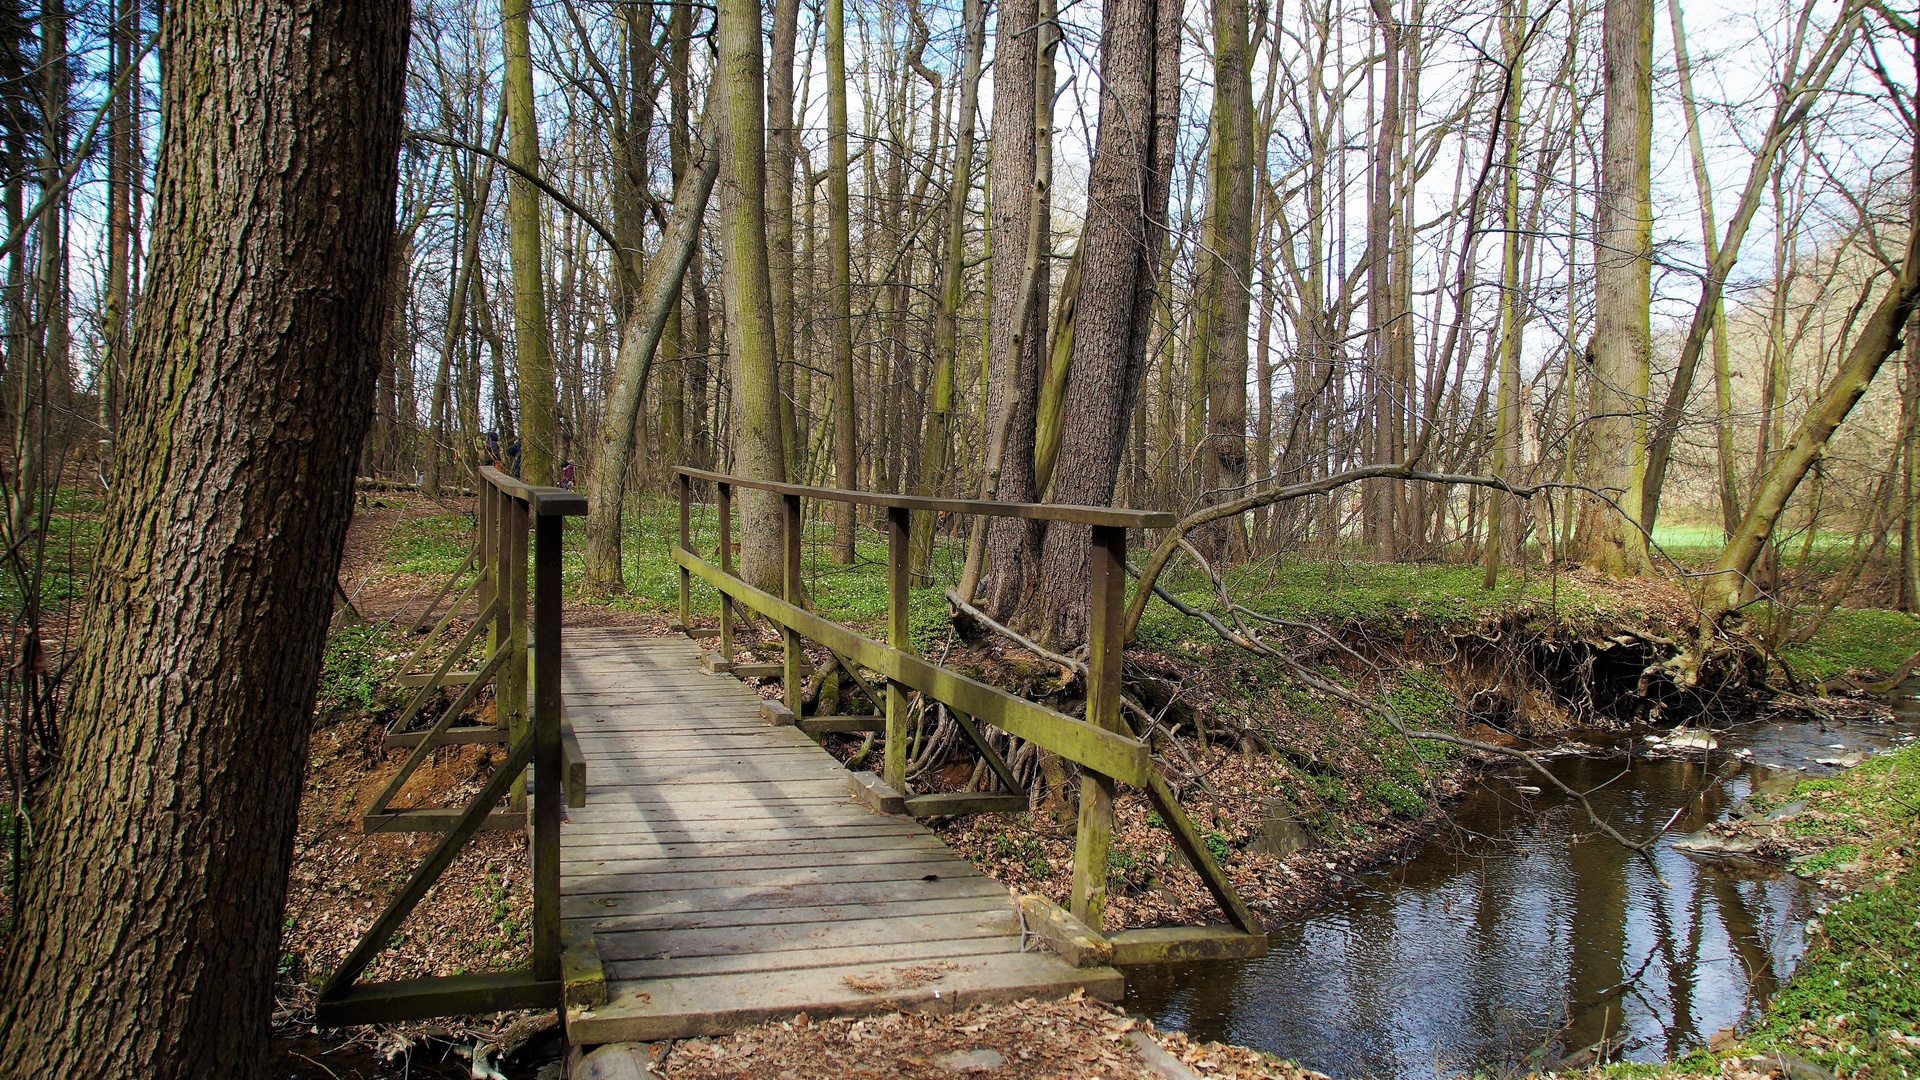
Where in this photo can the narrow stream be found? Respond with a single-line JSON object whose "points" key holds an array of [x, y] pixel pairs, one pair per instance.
{"points": [[1519, 936]]}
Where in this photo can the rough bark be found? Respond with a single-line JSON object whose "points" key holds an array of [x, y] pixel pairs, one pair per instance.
{"points": [[1127, 189], [758, 453], [1022, 119], [149, 920], [1609, 535]]}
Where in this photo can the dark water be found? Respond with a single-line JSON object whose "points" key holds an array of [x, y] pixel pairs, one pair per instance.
{"points": [[1519, 936]]}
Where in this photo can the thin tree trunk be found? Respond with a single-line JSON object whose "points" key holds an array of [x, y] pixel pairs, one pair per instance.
{"points": [[938, 438], [148, 927], [1228, 255], [1878, 339], [1506, 446], [626, 388], [840, 257], [532, 348]]}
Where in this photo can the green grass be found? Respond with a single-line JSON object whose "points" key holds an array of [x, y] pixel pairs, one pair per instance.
{"points": [[1856, 639], [430, 545], [1336, 590]]}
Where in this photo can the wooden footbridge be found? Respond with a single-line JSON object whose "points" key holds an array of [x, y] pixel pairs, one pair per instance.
{"points": [[700, 863]]}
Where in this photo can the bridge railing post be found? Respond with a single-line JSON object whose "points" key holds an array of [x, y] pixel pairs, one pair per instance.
{"points": [[548, 795], [794, 659], [489, 585], [899, 532], [1107, 595], [725, 497], [510, 693], [686, 536]]}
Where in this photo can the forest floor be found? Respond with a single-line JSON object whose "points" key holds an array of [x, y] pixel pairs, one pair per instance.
{"points": [[1295, 792]]}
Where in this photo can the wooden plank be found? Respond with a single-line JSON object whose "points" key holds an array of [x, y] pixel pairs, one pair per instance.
{"points": [[803, 936], [793, 960], [1083, 515], [1185, 944], [995, 901], [754, 769], [451, 678], [776, 791], [583, 976], [866, 855], [453, 736], [651, 1009], [598, 908], [545, 501], [582, 849], [436, 819], [574, 759], [820, 725], [628, 807], [722, 833], [446, 995], [758, 671], [935, 867], [956, 803]]}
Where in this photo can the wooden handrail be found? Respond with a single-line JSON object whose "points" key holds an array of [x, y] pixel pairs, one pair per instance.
{"points": [[1079, 515], [1107, 751], [542, 501]]}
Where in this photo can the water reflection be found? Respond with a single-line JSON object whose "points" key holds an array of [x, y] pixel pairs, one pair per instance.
{"points": [[1517, 934]]}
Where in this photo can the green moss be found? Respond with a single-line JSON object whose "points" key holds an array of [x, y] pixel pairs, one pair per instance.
{"points": [[1396, 797]]}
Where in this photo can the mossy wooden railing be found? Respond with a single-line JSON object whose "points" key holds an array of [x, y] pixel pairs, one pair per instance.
{"points": [[1107, 751], [523, 666]]}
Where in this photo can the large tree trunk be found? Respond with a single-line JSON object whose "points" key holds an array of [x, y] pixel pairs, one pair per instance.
{"points": [[1609, 535], [148, 927], [1018, 285], [532, 349], [1120, 250], [758, 453]]}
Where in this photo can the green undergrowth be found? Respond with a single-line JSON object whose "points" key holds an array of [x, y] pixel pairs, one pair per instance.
{"points": [[61, 557], [356, 669], [1856, 640]]}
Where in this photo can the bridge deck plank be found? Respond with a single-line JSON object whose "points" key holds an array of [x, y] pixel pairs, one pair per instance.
{"points": [[728, 877]]}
